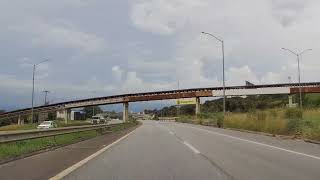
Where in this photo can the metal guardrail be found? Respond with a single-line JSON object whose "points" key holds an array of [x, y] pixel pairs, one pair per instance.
{"points": [[167, 118], [14, 136]]}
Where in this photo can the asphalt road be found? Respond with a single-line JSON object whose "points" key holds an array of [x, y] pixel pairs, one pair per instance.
{"points": [[168, 150]]}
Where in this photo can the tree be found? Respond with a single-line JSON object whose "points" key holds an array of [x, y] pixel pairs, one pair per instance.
{"points": [[89, 111], [2, 111]]}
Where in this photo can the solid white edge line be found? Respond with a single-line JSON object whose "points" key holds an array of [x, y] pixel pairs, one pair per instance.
{"points": [[254, 142], [84, 161], [196, 151]]}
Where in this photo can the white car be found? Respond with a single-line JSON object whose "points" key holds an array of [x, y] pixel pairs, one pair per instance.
{"points": [[97, 120], [47, 125]]}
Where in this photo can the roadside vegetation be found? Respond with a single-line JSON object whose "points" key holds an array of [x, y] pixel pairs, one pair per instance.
{"points": [[15, 149], [264, 113], [14, 127], [291, 121], [27, 146]]}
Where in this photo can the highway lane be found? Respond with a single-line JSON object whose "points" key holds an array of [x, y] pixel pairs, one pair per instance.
{"points": [[168, 150]]}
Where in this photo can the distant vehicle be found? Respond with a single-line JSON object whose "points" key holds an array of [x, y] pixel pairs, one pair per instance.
{"points": [[98, 120], [47, 125]]}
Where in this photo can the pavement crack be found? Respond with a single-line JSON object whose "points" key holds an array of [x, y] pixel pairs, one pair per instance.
{"points": [[215, 165]]}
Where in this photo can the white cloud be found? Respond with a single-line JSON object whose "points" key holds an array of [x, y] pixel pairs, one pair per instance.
{"points": [[251, 31], [164, 16], [132, 83], [271, 78], [117, 73], [60, 35], [157, 44], [288, 11], [238, 76]]}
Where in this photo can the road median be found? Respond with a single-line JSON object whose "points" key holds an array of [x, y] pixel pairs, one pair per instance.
{"points": [[18, 149]]}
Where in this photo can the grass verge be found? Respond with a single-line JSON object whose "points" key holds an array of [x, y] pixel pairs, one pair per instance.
{"points": [[16, 149], [304, 124], [14, 127]]}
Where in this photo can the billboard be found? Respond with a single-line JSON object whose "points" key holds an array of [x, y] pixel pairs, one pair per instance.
{"points": [[186, 101]]}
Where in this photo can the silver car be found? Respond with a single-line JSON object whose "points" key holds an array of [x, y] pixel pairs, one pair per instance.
{"points": [[47, 125]]}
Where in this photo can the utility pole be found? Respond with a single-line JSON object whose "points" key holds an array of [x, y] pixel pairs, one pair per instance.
{"points": [[45, 97], [93, 107], [289, 79]]}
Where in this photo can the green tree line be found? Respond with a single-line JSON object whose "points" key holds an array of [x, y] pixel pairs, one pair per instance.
{"points": [[239, 104]]}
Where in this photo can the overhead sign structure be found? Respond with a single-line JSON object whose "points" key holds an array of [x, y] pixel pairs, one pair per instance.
{"points": [[186, 101]]}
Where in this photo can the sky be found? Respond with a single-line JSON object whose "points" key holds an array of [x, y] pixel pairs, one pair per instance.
{"points": [[101, 48]]}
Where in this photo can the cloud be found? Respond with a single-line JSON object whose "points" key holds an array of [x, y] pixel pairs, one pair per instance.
{"points": [[271, 78], [117, 72], [162, 17], [238, 76], [60, 35], [113, 47], [288, 12]]}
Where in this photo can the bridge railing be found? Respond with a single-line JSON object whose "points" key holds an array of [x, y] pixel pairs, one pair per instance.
{"points": [[159, 95]]}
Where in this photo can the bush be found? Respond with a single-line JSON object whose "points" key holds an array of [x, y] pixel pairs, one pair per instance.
{"points": [[295, 122], [273, 113], [5, 122], [60, 119], [199, 121], [260, 120], [184, 119], [261, 115], [210, 119], [293, 113], [220, 118]]}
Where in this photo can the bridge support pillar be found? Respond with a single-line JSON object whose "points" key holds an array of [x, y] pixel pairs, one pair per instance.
{"points": [[125, 116], [19, 119], [290, 101], [68, 115], [291, 104], [64, 114], [197, 106]]}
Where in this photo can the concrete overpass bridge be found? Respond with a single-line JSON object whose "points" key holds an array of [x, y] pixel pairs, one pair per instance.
{"points": [[63, 109]]}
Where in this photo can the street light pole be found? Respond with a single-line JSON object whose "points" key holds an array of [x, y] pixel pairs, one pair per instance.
{"points": [[178, 105], [223, 72], [299, 77], [224, 83], [299, 80], [34, 69], [33, 74], [93, 107]]}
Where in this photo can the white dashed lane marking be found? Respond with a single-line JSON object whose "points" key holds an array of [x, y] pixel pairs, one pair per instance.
{"points": [[196, 151]]}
